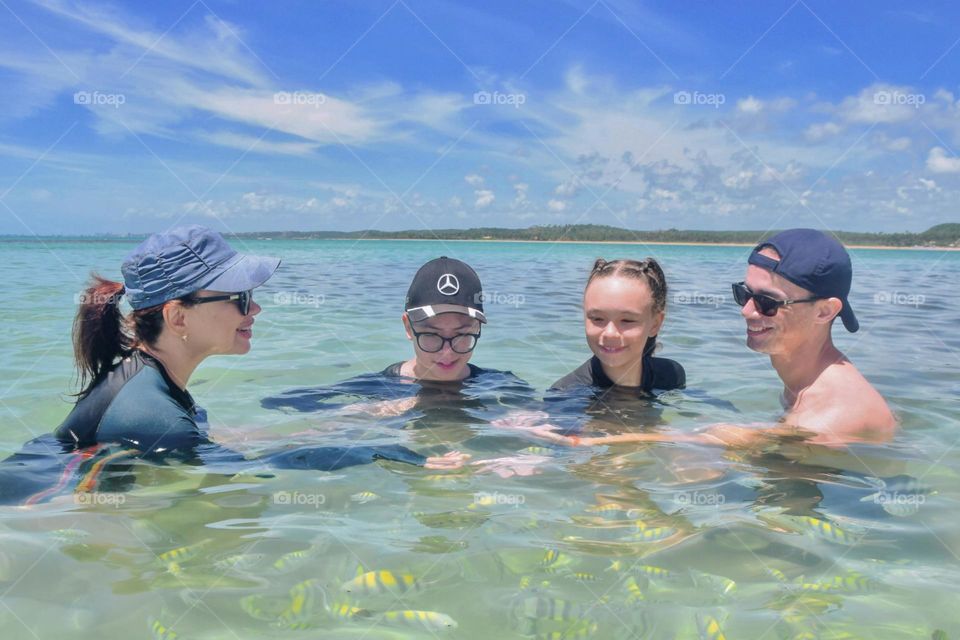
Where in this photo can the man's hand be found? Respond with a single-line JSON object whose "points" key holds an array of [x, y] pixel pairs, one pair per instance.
{"points": [[384, 408], [521, 420], [448, 461], [523, 465]]}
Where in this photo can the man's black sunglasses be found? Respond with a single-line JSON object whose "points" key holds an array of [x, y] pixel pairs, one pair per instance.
{"points": [[243, 300], [765, 304]]}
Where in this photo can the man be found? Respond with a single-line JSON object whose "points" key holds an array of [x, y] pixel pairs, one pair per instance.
{"points": [[797, 284]]}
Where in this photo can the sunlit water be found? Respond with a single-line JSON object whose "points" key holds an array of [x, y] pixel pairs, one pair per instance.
{"points": [[657, 541]]}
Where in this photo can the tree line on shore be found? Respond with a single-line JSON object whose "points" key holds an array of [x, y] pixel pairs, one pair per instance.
{"points": [[942, 235]]}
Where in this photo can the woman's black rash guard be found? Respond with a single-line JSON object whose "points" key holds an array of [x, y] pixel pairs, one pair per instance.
{"points": [[138, 406]]}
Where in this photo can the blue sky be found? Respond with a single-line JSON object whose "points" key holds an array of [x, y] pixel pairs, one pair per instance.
{"points": [[410, 114]]}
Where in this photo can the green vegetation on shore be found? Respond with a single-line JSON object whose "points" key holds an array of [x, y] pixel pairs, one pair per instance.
{"points": [[942, 235]]}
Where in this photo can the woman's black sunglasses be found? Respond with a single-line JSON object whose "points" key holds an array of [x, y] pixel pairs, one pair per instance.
{"points": [[243, 300], [765, 304]]}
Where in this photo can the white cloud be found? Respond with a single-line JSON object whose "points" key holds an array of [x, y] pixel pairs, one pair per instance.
{"points": [[485, 198], [556, 205], [749, 105], [823, 130], [474, 180], [939, 162]]}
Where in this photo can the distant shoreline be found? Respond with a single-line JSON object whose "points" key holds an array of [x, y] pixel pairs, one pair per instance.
{"points": [[945, 237], [271, 237], [665, 244]]}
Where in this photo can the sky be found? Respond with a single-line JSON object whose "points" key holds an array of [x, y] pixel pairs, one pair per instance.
{"points": [[429, 114]]}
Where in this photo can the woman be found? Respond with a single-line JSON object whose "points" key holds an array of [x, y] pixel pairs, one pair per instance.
{"points": [[192, 297], [624, 306]]}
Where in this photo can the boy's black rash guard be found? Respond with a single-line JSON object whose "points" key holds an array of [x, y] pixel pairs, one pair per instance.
{"points": [[137, 405], [659, 374]]}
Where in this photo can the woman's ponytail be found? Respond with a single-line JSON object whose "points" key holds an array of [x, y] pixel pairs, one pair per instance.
{"points": [[100, 334]]}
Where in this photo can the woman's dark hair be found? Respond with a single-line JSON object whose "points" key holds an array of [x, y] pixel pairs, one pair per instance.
{"points": [[647, 270], [101, 333]]}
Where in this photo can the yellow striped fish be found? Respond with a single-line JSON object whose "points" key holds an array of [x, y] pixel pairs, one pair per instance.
{"points": [[173, 558], [429, 620], [653, 571], [555, 560], [652, 534], [363, 497], [161, 632], [709, 627], [722, 585], [379, 582], [850, 583], [307, 601], [823, 529], [293, 560], [634, 590]]}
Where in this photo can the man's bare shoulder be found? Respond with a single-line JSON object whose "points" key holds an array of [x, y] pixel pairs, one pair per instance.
{"points": [[844, 406]]}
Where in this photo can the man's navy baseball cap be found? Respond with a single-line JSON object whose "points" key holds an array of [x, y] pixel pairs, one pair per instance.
{"points": [[813, 260], [181, 261], [445, 285]]}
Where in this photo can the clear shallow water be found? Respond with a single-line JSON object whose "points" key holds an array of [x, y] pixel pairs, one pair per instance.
{"points": [[89, 566]]}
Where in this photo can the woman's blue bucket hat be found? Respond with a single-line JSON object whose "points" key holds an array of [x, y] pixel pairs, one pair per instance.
{"points": [[178, 262]]}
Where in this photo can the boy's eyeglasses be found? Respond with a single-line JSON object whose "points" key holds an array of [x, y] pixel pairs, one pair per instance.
{"points": [[433, 342]]}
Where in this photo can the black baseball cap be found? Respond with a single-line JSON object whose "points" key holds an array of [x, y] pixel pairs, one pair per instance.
{"points": [[445, 285], [813, 260]]}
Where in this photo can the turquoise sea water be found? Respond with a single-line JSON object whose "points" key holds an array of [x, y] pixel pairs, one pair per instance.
{"points": [[616, 542]]}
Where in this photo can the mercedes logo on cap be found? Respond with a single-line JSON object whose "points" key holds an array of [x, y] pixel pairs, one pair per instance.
{"points": [[448, 284]]}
